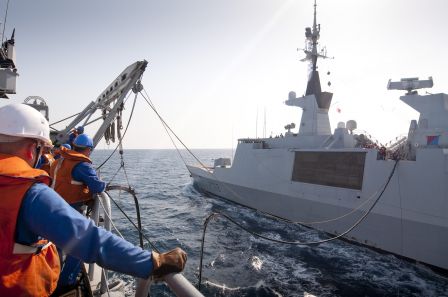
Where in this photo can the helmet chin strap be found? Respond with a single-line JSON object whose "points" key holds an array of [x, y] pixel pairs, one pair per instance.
{"points": [[39, 149]]}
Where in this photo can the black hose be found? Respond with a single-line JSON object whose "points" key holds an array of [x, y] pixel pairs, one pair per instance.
{"points": [[202, 247]]}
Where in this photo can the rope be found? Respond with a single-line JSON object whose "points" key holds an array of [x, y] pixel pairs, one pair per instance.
{"points": [[169, 128], [110, 219], [165, 126], [126, 175], [64, 119], [103, 272], [216, 214], [93, 121], [135, 226], [113, 177]]}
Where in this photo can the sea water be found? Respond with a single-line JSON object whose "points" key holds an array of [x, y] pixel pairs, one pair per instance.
{"points": [[236, 263]]}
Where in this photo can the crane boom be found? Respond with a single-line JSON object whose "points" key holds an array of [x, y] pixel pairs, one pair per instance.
{"points": [[109, 102]]}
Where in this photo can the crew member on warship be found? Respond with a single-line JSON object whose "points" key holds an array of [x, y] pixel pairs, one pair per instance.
{"points": [[74, 178], [57, 150], [46, 160], [75, 133], [31, 211], [76, 181]]}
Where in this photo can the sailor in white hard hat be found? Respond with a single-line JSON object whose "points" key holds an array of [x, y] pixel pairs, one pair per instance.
{"points": [[31, 211]]}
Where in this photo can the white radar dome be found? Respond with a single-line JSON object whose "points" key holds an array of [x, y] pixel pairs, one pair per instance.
{"points": [[292, 95], [351, 125]]}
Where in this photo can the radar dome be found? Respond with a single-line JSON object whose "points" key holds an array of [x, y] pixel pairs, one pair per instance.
{"points": [[292, 95], [351, 125]]}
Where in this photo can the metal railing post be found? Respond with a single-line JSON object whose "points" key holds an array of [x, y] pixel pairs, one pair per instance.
{"points": [[107, 225], [95, 216]]}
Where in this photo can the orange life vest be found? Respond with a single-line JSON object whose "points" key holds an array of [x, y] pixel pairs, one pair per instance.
{"points": [[49, 159], [24, 270], [61, 171]]}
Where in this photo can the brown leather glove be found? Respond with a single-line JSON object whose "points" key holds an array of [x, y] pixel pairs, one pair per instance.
{"points": [[169, 262]]}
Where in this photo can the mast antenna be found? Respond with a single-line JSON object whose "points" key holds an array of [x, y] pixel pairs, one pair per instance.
{"points": [[4, 22], [316, 35], [311, 43], [315, 102]]}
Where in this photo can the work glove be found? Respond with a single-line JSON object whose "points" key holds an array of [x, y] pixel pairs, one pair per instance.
{"points": [[169, 262]]}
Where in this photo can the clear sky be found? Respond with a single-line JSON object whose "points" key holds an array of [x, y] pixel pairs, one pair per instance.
{"points": [[215, 64]]}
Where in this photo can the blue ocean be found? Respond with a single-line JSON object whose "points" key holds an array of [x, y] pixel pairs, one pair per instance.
{"points": [[236, 263]]}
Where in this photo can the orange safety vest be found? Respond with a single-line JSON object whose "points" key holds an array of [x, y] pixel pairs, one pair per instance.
{"points": [[49, 159], [71, 190], [24, 270]]}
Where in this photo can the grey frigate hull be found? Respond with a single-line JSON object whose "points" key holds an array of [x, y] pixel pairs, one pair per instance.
{"points": [[410, 218]]}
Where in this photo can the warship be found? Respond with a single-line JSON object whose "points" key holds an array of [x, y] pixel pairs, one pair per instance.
{"points": [[393, 198]]}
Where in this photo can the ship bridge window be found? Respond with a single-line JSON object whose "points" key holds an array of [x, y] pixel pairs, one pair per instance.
{"points": [[335, 169]]}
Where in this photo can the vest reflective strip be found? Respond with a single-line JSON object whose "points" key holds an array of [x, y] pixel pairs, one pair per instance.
{"points": [[58, 166], [75, 182], [26, 249]]}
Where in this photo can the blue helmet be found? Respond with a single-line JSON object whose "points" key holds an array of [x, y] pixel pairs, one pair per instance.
{"points": [[83, 140], [80, 129], [67, 146]]}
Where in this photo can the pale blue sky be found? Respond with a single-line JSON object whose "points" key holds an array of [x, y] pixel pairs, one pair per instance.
{"points": [[214, 63]]}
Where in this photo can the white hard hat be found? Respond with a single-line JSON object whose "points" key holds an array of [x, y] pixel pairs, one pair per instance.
{"points": [[21, 120]]}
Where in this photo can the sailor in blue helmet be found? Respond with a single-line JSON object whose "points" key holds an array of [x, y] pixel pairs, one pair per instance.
{"points": [[75, 133], [76, 181], [67, 146], [57, 150], [74, 177]]}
